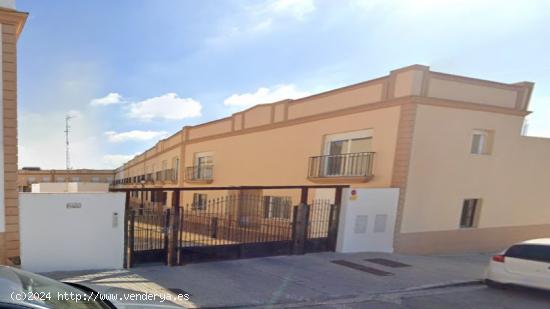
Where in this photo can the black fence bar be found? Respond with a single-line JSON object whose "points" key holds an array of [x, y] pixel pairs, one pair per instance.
{"points": [[131, 238]]}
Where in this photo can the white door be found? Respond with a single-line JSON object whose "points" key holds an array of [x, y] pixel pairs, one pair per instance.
{"points": [[367, 220]]}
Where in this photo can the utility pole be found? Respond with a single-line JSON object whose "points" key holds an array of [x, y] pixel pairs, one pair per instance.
{"points": [[67, 155]]}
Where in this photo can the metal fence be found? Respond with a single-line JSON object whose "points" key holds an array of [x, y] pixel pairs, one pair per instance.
{"points": [[234, 224], [199, 172], [343, 165]]}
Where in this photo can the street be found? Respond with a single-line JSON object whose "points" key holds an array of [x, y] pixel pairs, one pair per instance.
{"points": [[478, 296], [324, 280]]}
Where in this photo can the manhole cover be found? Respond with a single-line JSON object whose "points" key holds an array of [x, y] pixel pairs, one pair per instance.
{"points": [[364, 268], [388, 263]]}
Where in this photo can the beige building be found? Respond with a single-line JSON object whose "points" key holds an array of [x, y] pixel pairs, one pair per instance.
{"points": [[31, 175], [453, 145], [11, 25]]}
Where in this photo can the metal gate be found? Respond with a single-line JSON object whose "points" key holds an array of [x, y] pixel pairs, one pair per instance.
{"points": [[230, 226], [148, 235]]}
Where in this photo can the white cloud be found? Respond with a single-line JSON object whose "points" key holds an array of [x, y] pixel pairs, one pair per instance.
{"points": [[75, 114], [134, 135], [262, 26], [116, 160], [295, 8], [111, 98], [265, 95], [167, 106], [260, 18]]}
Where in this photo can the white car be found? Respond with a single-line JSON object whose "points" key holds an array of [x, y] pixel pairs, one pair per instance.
{"points": [[526, 264]]}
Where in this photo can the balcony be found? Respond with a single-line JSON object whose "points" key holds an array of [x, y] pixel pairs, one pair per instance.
{"points": [[199, 174], [167, 176], [350, 167]]}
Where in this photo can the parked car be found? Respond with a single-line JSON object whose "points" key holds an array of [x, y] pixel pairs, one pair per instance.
{"points": [[525, 264], [24, 290]]}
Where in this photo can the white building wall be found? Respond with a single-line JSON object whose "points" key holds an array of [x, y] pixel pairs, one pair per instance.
{"points": [[367, 220], [71, 231]]}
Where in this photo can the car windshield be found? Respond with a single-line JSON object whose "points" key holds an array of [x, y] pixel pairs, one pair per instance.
{"points": [[21, 287]]}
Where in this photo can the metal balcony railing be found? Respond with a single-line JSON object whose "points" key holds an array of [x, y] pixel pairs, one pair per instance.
{"points": [[168, 175], [200, 172], [343, 165]]}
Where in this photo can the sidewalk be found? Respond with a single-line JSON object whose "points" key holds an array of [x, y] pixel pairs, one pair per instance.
{"points": [[295, 279]]}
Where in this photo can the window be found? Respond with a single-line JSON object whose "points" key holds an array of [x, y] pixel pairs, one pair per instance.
{"points": [[164, 170], [353, 145], [159, 197], [470, 210], [345, 153], [481, 140], [203, 162], [60, 178], [75, 178], [199, 201], [95, 179], [31, 179], [538, 253], [175, 167], [46, 178], [277, 207]]}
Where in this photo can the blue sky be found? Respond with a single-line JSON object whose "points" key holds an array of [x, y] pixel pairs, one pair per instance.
{"points": [[132, 72]]}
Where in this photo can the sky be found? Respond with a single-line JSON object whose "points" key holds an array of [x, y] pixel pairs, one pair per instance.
{"points": [[131, 72]]}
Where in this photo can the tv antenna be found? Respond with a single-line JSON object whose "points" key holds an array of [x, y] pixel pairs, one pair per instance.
{"points": [[67, 130]]}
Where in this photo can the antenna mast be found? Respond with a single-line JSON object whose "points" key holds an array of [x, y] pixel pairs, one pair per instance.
{"points": [[67, 156]]}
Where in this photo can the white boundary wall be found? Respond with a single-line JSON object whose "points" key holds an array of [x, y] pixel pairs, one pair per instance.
{"points": [[58, 187], [367, 220], [71, 231]]}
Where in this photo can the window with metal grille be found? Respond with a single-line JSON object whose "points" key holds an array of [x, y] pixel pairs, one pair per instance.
{"points": [[199, 201], [158, 196], [175, 167], [470, 211], [277, 207]]}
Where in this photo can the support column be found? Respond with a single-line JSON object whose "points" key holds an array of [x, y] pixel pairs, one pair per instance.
{"points": [[174, 229]]}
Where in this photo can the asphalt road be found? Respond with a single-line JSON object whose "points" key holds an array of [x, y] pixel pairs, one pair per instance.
{"points": [[463, 297]]}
